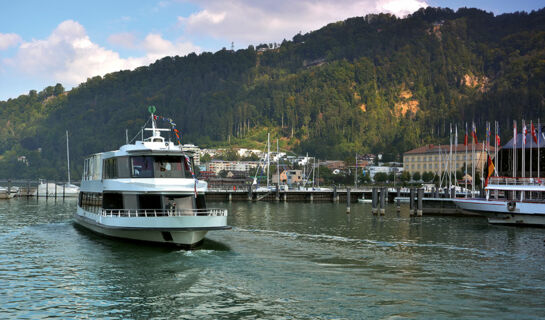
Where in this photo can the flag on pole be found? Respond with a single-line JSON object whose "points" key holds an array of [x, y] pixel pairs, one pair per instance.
{"points": [[474, 133], [534, 135], [489, 170], [498, 137], [465, 137], [524, 133]]}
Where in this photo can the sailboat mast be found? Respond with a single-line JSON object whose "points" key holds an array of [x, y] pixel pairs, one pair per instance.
{"points": [[277, 163], [268, 156], [68, 157]]}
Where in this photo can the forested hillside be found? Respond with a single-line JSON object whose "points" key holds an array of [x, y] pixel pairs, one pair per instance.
{"points": [[368, 84]]}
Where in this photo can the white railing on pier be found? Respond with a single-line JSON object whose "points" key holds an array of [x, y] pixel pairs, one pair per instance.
{"points": [[517, 181], [150, 213]]}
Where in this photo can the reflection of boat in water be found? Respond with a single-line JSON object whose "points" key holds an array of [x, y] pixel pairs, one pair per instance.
{"points": [[146, 191], [363, 200], [512, 201]]}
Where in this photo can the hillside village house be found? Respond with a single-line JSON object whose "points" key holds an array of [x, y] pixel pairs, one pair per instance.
{"points": [[289, 177], [433, 158]]}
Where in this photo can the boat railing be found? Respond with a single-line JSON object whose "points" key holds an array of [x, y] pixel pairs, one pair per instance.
{"points": [[150, 213], [517, 181]]}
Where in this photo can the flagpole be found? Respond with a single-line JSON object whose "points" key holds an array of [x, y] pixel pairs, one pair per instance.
{"points": [[456, 155], [514, 148], [531, 146], [473, 161], [482, 164], [496, 147], [450, 161], [465, 142], [523, 173]]}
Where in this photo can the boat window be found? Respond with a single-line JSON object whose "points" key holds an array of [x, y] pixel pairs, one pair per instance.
{"points": [[142, 167], [149, 201], [168, 167], [110, 168], [113, 201], [123, 168]]}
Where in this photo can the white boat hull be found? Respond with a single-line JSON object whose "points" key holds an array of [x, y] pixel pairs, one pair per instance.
{"points": [[186, 231], [497, 212]]}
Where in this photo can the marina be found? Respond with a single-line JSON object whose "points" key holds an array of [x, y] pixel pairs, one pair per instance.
{"points": [[280, 260]]}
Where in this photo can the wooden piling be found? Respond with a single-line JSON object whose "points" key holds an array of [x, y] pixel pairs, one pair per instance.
{"points": [[250, 195], [398, 205], [383, 201], [347, 200], [411, 202], [420, 201], [335, 199], [374, 202]]}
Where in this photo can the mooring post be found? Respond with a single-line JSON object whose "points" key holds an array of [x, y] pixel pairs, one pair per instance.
{"points": [[446, 193], [398, 200], [411, 202], [250, 195], [28, 188], [347, 200], [230, 196], [46, 189], [63, 190], [383, 201], [55, 189], [285, 196], [334, 193], [453, 192], [420, 201], [9, 188], [374, 201], [277, 198]]}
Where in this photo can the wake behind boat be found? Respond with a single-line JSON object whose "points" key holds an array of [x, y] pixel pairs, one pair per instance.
{"points": [[147, 191]]}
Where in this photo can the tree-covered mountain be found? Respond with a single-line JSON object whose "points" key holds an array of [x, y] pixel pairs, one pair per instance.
{"points": [[367, 84]]}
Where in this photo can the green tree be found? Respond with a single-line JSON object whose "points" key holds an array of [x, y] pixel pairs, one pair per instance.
{"points": [[380, 177], [416, 176]]}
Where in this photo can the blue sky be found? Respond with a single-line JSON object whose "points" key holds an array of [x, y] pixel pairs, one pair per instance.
{"points": [[47, 42]]}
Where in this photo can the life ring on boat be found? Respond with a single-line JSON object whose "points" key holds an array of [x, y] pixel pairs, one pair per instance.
{"points": [[511, 205]]}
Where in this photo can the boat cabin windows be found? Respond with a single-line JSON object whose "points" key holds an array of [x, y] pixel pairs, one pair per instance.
{"points": [[142, 167], [170, 167], [114, 168], [147, 167]]}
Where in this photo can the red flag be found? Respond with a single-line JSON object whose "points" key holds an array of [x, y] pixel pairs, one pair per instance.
{"points": [[474, 133], [534, 133], [489, 170], [465, 137], [498, 140]]}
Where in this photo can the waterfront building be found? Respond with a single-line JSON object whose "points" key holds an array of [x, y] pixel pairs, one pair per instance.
{"points": [[219, 165], [434, 158], [196, 152]]}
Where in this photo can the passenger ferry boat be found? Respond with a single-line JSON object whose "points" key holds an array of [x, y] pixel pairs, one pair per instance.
{"points": [[147, 191], [510, 201]]}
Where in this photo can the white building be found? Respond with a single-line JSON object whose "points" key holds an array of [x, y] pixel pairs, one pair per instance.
{"points": [[219, 165], [196, 152], [376, 169]]}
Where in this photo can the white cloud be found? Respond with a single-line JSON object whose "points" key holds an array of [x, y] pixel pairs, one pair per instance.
{"points": [[69, 56], [9, 40], [251, 22], [124, 39]]}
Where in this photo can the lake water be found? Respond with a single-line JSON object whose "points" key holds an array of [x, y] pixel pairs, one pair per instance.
{"points": [[280, 261]]}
